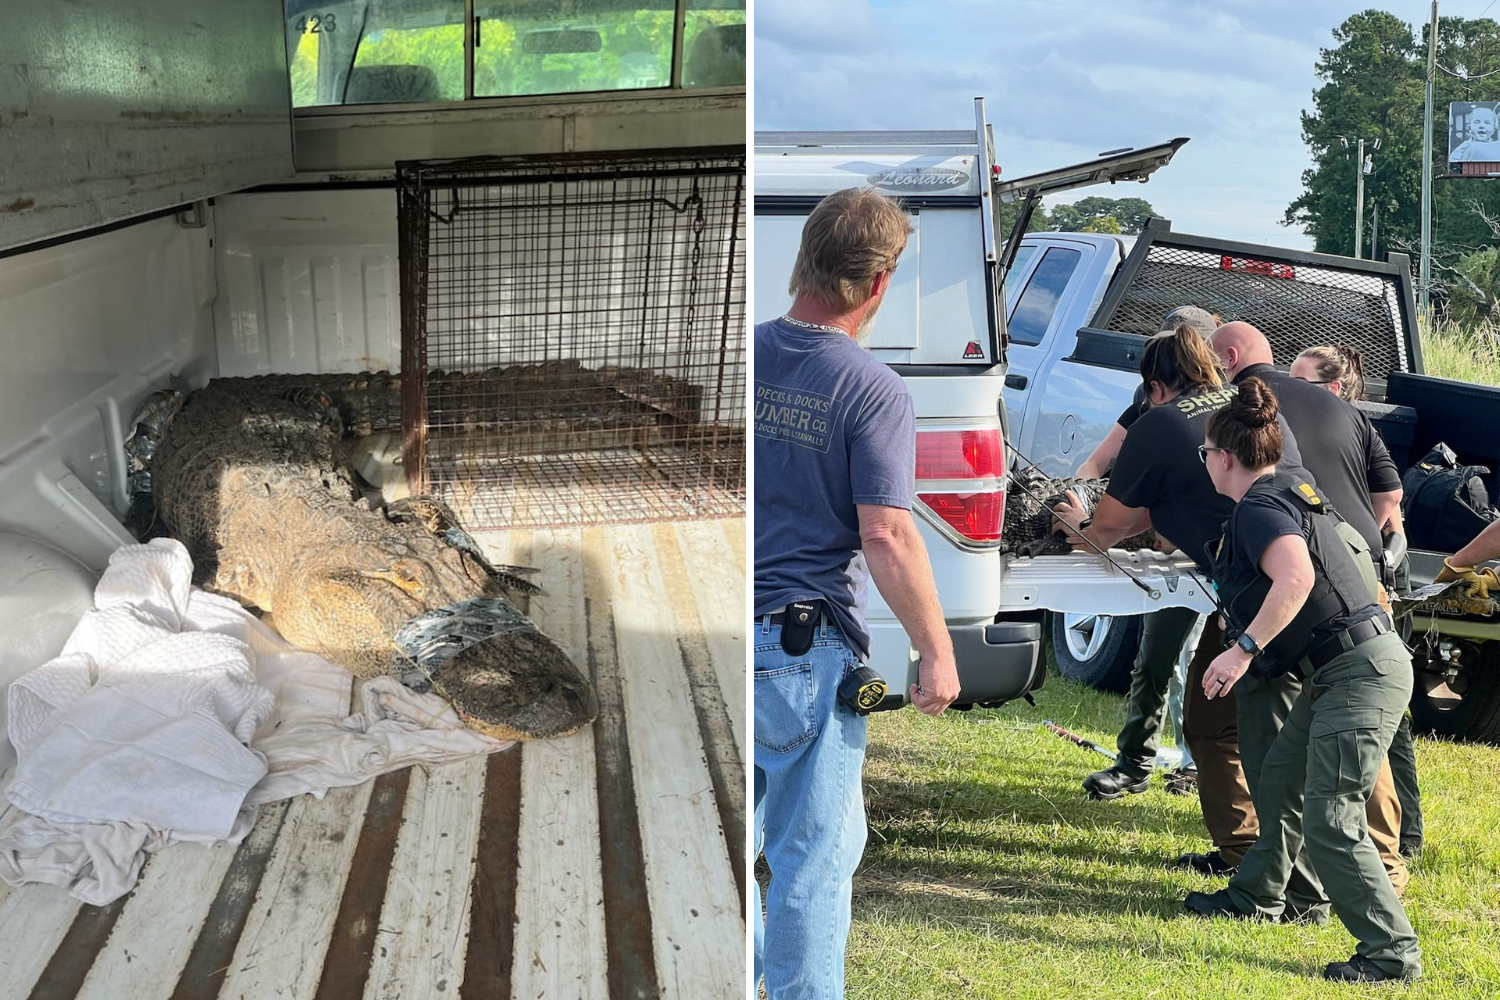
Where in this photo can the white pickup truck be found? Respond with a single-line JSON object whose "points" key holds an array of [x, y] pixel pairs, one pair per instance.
{"points": [[1038, 375], [942, 327]]}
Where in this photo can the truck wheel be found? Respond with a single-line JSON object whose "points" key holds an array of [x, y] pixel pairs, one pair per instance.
{"points": [[1098, 650], [1457, 691]]}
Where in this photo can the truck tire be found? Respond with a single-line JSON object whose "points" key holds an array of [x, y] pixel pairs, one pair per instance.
{"points": [[1097, 650], [1464, 702]]}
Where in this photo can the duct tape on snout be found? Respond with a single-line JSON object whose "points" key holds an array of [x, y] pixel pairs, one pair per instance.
{"points": [[432, 639]]}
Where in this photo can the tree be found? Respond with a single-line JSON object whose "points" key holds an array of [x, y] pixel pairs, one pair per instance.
{"points": [[1102, 224], [1129, 215], [1122, 216], [1475, 289], [1008, 213], [1374, 86]]}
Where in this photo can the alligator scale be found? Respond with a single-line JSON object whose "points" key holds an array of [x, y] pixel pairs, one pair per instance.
{"points": [[249, 476], [1029, 525]]}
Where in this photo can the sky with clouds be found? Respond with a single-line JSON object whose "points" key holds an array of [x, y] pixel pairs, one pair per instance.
{"points": [[1067, 79]]}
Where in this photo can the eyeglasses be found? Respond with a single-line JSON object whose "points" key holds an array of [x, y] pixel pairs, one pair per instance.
{"points": [[1318, 381], [1204, 449]]}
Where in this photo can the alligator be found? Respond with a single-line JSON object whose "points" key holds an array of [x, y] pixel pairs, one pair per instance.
{"points": [[249, 477], [561, 395], [1029, 527]]}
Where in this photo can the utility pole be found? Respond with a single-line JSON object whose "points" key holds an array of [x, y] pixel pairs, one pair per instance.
{"points": [[1374, 229], [1363, 167], [1359, 200], [1424, 278]]}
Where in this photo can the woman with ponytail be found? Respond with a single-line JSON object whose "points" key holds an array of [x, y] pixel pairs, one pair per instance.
{"points": [[1337, 368], [1298, 593], [1158, 482], [1158, 676]]}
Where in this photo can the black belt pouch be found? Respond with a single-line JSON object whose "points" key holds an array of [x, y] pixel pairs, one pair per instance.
{"points": [[802, 619]]}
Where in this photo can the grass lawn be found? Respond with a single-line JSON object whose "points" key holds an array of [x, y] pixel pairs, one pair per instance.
{"points": [[989, 874]]}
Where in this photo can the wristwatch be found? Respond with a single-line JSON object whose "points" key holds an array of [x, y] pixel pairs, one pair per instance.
{"points": [[1247, 643]]}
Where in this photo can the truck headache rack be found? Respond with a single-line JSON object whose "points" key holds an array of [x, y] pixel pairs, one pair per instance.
{"points": [[573, 336], [1297, 299]]}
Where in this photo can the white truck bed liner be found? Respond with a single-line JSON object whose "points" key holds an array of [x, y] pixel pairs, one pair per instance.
{"points": [[607, 864]]}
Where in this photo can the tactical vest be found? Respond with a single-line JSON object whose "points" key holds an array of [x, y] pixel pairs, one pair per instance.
{"points": [[1344, 579]]}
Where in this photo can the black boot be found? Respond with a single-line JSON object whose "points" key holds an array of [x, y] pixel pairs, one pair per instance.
{"points": [[1212, 863], [1214, 904], [1358, 970], [1180, 782], [1115, 782], [1315, 916]]}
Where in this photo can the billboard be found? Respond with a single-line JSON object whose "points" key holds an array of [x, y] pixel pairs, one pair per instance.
{"points": [[1474, 135]]}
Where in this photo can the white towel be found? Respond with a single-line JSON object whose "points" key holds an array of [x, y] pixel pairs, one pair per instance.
{"points": [[136, 736], [139, 721]]}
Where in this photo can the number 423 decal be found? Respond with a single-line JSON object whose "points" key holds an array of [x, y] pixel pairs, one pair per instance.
{"points": [[315, 24]]}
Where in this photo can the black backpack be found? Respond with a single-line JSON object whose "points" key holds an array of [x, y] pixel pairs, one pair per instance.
{"points": [[1445, 504]]}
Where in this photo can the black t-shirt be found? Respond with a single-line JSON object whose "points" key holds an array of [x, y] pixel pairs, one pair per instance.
{"points": [[1159, 469], [1134, 410], [1339, 447], [1260, 520]]}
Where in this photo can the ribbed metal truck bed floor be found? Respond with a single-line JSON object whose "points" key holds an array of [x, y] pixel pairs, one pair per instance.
{"points": [[609, 864]]}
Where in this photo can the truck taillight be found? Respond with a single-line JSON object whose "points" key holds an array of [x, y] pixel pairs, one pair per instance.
{"points": [[1262, 267], [976, 516], [960, 454], [961, 479]]}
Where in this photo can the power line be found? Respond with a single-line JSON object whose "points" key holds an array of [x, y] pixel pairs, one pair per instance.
{"points": [[1467, 79]]}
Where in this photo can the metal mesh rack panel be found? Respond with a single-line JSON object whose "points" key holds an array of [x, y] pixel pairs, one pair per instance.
{"points": [[1294, 303], [573, 336]]}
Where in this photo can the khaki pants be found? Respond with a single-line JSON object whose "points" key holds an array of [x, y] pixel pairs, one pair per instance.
{"points": [[1211, 729], [1383, 815]]}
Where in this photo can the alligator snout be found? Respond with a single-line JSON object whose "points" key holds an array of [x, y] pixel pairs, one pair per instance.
{"points": [[518, 686]]}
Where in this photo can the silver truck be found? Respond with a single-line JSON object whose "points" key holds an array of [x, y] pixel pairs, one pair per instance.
{"points": [[943, 328], [1030, 344]]}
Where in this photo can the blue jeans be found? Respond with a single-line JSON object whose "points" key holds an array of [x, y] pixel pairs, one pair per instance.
{"points": [[809, 813], [1175, 692]]}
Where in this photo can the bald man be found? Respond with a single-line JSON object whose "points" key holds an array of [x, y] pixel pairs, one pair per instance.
{"points": [[1351, 466], [1340, 446]]}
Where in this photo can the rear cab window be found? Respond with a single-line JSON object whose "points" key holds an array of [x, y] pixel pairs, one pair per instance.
{"points": [[1024, 253], [1038, 302], [418, 51]]}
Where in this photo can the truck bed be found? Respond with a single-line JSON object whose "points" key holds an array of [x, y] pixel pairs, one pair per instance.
{"points": [[607, 864]]}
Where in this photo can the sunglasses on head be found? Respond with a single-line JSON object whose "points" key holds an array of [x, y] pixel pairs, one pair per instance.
{"points": [[1204, 449]]}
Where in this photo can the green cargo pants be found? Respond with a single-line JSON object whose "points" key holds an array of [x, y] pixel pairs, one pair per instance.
{"points": [[1261, 708], [1162, 635], [1404, 772], [1315, 781], [1403, 755]]}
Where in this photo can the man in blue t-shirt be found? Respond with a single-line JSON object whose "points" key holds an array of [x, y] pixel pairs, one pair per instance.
{"points": [[835, 464]]}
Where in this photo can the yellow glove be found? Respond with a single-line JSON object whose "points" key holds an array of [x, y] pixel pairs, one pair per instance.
{"points": [[1477, 584]]}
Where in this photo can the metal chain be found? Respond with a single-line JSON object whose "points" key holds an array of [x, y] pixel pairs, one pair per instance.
{"points": [[700, 223]]}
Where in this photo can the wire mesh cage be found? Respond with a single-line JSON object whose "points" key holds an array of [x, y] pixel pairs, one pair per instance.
{"points": [[573, 336], [1296, 303]]}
